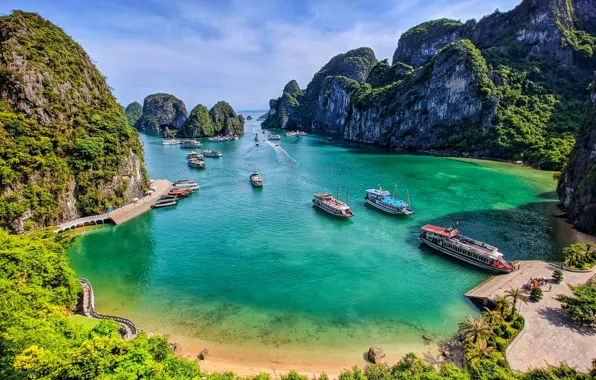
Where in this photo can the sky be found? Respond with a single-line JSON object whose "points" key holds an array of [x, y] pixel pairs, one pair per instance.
{"points": [[240, 51]]}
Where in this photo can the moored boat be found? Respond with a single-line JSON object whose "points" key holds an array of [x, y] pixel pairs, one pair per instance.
{"points": [[290, 134], [256, 180], [170, 142], [274, 137], [452, 243], [327, 203], [195, 155], [217, 139], [180, 192], [196, 163], [382, 200], [166, 201], [190, 144], [185, 184], [301, 133], [212, 153]]}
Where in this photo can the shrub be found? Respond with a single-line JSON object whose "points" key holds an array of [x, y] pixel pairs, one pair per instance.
{"points": [[492, 341], [520, 318], [517, 325], [509, 318], [498, 331], [507, 334], [558, 276], [501, 347], [536, 294]]}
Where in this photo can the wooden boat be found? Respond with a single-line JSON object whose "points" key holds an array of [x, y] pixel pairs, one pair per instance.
{"points": [[196, 163], [212, 153], [185, 184], [190, 144], [335, 207], [180, 192], [450, 242], [382, 200], [256, 180]]}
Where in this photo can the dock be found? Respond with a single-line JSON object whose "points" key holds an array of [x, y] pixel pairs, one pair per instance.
{"points": [[549, 336], [121, 214]]}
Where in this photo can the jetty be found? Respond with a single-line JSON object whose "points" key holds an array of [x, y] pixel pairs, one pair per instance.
{"points": [[122, 214], [128, 330], [549, 336]]}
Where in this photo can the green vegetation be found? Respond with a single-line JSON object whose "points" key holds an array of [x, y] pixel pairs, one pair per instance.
{"points": [[133, 112], [536, 294], [558, 276], [441, 27], [580, 255], [74, 134], [582, 305], [225, 119], [515, 295]]}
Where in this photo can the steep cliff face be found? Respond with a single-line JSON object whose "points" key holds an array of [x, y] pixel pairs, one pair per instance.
{"points": [[520, 98], [133, 112], [577, 184], [66, 148], [434, 106], [162, 111], [221, 120], [283, 112]]}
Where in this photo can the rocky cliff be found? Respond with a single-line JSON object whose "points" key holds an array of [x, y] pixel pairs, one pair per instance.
{"points": [[509, 86], [220, 120], [577, 184], [162, 111], [133, 112], [66, 148]]}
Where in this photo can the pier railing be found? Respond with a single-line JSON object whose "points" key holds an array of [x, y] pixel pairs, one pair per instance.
{"points": [[127, 327]]}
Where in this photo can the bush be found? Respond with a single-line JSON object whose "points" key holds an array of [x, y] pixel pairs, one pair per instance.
{"points": [[520, 319], [492, 341], [509, 318], [498, 331], [536, 294], [517, 325], [507, 334], [558, 276], [501, 347]]}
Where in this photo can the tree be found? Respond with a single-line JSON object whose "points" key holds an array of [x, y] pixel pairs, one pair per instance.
{"points": [[580, 255], [503, 304], [558, 276], [481, 351], [515, 295], [475, 330], [582, 305], [491, 316], [536, 294]]}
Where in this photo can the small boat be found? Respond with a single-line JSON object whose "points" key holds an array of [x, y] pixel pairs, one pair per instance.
{"points": [[166, 201], [190, 144], [301, 133], [170, 142], [185, 184], [452, 243], [274, 137], [180, 192], [256, 179], [195, 155], [196, 163], [327, 203], [217, 139], [257, 144], [290, 134], [212, 153], [257, 137], [382, 200]]}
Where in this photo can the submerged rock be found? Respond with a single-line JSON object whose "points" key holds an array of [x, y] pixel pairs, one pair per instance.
{"points": [[375, 354], [203, 354]]}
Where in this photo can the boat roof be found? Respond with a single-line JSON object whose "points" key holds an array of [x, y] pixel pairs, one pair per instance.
{"points": [[378, 191], [442, 231]]}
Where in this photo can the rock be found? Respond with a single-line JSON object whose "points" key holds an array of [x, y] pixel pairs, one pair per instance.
{"points": [[225, 120], [203, 354], [577, 186], [161, 111], [133, 112], [427, 337], [375, 354], [78, 151], [263, 117], [175, 347], [248, 117]]}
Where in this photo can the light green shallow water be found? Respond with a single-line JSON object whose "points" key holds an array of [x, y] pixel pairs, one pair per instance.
{"points": [[261, 268]]}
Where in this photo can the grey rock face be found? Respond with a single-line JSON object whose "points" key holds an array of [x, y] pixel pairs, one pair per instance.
{"points": [[161, 111]]}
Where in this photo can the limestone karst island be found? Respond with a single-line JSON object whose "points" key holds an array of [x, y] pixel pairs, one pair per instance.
{"points": [[266, 190]]}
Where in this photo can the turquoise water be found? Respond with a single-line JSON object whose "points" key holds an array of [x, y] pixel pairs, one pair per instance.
{"points": [[238, 266]]}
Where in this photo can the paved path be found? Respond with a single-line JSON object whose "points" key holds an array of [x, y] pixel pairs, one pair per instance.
{"points": [[121, 214], [127, 327], [550, 337]]}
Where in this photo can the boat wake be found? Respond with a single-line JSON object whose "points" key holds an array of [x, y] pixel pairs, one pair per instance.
{"points": [[283, 155]]}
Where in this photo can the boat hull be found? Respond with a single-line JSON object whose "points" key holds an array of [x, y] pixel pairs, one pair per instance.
{"points": [[386, 209], [166, 204], [461, 257]]}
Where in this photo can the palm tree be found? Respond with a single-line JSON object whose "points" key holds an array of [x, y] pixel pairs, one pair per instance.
{"points": [[491, 316], [475, 330], [503, 304], [482, 350], [516, 294]]}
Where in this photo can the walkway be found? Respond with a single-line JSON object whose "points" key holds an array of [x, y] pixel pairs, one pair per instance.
{"points": [[128, 329], [124, 213], [550, 337]]}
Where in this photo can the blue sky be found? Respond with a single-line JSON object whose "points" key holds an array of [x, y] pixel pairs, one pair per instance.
{"points": [[240, 51]]}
